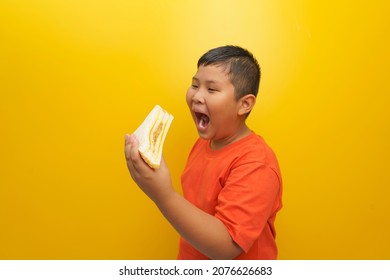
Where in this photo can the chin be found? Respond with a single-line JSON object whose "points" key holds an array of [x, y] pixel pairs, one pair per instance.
{"points": [[204, 136]]}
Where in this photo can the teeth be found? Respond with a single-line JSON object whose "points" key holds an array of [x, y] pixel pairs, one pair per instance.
{"points": [[203, 121]]}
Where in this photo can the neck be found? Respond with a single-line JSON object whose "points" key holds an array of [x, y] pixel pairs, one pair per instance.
{"points": [[238, 135]]}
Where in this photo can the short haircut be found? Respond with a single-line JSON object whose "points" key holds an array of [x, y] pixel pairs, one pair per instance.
{"points": [[241, 67]]}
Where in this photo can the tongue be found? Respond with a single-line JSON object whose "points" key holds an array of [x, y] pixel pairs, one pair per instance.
{"points": [[204, 121]]}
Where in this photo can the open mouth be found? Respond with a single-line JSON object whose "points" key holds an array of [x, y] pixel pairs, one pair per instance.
{"points": [[202, 120]]}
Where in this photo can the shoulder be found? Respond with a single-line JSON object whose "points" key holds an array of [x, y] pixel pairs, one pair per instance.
{"points": [[255, 150], [255, 147]]}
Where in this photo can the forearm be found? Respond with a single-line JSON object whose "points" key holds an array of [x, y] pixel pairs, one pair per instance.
{"points": [[203, 231]]}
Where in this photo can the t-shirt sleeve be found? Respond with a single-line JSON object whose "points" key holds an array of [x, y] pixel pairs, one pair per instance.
{"points": [[247, 200]]}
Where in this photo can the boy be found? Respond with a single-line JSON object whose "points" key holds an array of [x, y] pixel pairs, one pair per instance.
{"points": [[231, 183]]}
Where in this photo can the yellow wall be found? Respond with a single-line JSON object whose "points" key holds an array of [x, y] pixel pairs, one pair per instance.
{"points": [[75, 76]]}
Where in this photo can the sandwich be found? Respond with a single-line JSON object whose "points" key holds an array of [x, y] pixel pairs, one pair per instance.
{"points": [[151, 135]]}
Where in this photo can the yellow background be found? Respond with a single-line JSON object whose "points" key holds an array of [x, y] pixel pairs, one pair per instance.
{"points": [[76, 75]]}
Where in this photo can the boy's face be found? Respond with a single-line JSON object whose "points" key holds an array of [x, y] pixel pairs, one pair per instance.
{"points": [[212, 103]]}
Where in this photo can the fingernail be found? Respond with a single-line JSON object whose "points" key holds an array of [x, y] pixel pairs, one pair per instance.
{"points": [[133, 138]]}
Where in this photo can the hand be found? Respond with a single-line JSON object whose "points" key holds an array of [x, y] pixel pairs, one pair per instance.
{"points": [[155, 183]]}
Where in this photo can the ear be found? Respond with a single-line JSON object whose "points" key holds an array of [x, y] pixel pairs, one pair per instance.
{"points": [[246, 104]]}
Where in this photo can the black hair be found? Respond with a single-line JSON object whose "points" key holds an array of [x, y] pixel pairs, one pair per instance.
{"points": [[241, 67]]}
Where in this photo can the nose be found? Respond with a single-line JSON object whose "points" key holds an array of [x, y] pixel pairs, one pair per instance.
{"points": [[198, 97]]}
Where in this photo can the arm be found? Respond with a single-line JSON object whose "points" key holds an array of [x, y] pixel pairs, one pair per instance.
{"points": [[203, 231]]}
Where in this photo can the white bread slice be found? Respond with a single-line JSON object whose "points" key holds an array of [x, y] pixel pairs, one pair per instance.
{"points": [[151, 135]]}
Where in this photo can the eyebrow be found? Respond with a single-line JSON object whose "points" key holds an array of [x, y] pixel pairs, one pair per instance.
{"points": [[207, 81]]}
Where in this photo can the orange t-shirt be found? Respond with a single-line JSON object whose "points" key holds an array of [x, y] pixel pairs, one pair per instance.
{"points": [[241, 185]]}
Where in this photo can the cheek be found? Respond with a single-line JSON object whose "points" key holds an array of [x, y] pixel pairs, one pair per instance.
{"points": [[224, 111], [189, 96]]}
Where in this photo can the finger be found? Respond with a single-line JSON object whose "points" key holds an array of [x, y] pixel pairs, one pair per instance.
{"points": [[127, 152], [129, 143], [133, 154]]}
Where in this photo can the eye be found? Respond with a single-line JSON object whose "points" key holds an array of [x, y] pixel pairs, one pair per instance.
{"points": [[211, 90], [194, 86]]}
